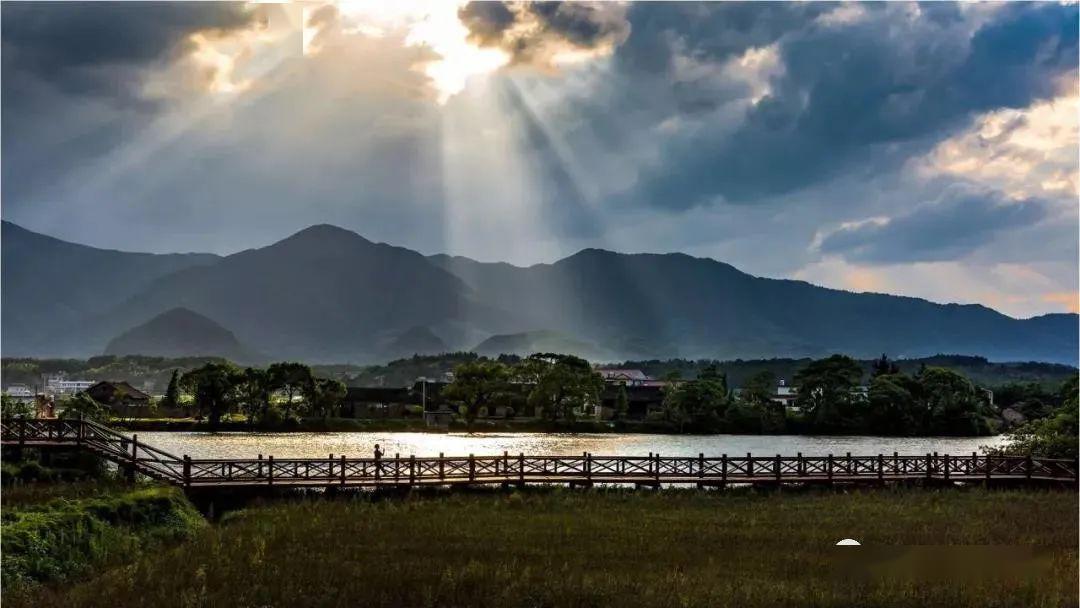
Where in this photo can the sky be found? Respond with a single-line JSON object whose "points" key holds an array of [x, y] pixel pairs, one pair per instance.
{"points": [[928, 150]]}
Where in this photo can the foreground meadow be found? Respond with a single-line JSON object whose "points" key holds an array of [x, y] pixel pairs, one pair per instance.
{"points": [[597, 548]]}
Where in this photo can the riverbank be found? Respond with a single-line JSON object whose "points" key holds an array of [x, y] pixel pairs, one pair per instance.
{"points": [[58, 532], [600, 548]]}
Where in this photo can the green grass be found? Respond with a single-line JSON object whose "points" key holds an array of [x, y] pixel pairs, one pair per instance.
{"points": [[61, 532], [614, 548]]}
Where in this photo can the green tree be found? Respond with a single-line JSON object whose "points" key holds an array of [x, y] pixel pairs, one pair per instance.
{"points": [[213, 388], [1055, 436], [827, 393], [291, 379], [564, 385], [172, 393], [952, 403], [701, 402], [756, 410], [477, 384], [323, 396], [81, 404], [892, 408], [14, 408], [622, 403], [883, 367], [254, 392]]}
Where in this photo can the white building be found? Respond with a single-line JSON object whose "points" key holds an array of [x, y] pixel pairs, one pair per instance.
{"points": [[20, 392], [60, 385]]}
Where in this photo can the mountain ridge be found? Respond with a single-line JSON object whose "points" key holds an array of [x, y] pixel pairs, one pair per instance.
{"points": [[327, 293]]}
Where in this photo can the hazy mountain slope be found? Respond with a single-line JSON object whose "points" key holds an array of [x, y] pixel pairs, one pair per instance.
{"points": [[327, 294], [542, 341], [180, 332], [322, 294], [647, 305], [48, 284]]}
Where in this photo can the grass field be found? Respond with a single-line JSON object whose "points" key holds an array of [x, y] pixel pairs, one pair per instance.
{"points": [[615, 548]]}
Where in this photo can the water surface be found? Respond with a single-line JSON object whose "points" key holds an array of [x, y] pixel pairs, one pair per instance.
{"points": [[361, 445]]}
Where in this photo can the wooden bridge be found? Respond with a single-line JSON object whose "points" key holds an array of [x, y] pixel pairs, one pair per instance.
{"points": [[139, 458]]}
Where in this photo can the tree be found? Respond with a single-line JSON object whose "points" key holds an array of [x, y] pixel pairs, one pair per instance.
{"points": [[756, 410], [323, 396], [14, 408], [883, 367], [477, 385], [81, 404], [564, 384], [254, 391], [622, 403], [291, 379], [951, 402], [892, 408], [702, 401], [213, 387], [1055, 436], [827, 394], [172, 393]]}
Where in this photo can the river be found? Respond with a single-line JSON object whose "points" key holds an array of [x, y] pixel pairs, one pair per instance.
{"points": [[361, 445]]}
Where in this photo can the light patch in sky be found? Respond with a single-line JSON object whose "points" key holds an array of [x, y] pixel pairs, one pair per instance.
{"points": [[1029, 152]]}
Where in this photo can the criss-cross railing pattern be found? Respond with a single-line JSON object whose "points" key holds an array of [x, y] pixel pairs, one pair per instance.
{"points": [[138, 457]]}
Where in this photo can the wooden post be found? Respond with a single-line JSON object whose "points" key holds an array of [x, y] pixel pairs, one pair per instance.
{"points": [[397, 467], [134, 456], [472, 468], [880, 467], [588, 467], [896, 464], [946, 467], [657, 467], [701, 465], [828, 468], [506, 463], [187, 471], [988, 467], [270, 470], [521, 468], [847, 467], [442, 467], [800, 466], [22, 432], [341, 473], [330, 468], [79, 430], [723, 470], [1029, 465], [776, 469], [412, 469], [749, 465], [929, 466], [259, 467]]}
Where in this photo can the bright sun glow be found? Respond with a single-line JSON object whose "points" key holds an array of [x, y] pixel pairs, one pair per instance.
{"points": [[434, 24]]}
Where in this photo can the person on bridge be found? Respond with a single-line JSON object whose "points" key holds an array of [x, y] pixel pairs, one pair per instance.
{"points": [[378, 461]]}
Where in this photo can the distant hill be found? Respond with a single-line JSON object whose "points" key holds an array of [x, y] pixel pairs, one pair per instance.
{"points": [[180, 332], [326, 294], [48, 284], [415, 341], [543, 341]]}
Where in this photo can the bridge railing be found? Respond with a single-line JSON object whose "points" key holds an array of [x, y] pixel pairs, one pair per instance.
{"points": [[136, 456]]}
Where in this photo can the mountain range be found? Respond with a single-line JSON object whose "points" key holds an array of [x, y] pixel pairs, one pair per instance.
{"points": [[328, 294]]}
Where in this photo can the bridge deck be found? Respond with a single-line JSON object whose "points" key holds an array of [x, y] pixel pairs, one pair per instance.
{"points": [[587, 469]]}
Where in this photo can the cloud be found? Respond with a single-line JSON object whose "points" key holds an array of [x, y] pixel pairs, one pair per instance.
{"points": [[546, 33], [863, 95], [945, 229]]}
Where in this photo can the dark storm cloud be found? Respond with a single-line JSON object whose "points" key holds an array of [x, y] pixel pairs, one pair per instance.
{"points": [[73, 72], [957, 224], [528, 30], [88, 47], [852, 95]]}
